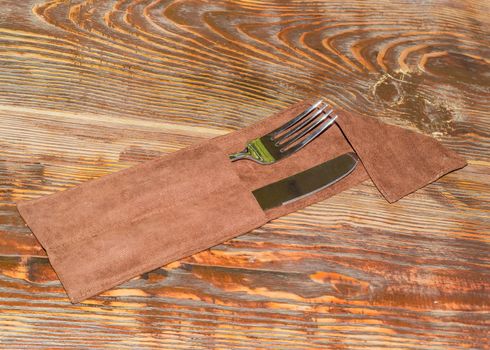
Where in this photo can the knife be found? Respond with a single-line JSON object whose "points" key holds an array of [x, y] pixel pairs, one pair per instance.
{"points": [[303, 184]]}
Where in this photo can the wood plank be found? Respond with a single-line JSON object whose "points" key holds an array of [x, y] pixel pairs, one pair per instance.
{"points": [[91, 87]]}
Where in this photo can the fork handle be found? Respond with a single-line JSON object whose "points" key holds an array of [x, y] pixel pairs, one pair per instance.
{"points": [[245, 154]]}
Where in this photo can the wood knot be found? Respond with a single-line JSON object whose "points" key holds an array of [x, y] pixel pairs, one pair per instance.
{"points": [[408, 96]]}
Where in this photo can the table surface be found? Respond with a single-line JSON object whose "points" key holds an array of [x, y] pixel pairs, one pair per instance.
{"points": [[91, 87]]}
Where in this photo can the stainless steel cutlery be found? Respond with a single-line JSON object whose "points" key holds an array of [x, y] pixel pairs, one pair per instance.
{"points": [[290, 137], [307, 182]]}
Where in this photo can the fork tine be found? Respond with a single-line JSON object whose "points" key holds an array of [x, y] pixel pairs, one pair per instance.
{"points": [[297, 128], [308, 129], [296, 119], [310, 138]]}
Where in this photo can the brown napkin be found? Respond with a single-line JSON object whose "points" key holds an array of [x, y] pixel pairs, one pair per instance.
{"points": [[398, 161], [111, 229]]}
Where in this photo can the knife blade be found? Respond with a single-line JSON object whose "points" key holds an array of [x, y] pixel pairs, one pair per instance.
{"points": [[303, 184]]}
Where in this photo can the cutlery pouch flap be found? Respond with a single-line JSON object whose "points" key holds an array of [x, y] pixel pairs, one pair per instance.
{"points": [[111, 229]]}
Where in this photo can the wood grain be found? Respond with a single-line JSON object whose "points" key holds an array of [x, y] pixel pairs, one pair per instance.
{"points": [[91, 87]]}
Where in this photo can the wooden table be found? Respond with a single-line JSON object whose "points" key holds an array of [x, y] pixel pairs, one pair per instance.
{"points": [[89, 87]]}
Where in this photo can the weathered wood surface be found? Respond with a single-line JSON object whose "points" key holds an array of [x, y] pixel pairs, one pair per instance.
{"points": [[91, 87]]}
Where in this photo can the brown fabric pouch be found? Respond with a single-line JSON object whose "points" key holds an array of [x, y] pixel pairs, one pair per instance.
{"points": [[108, 230]]}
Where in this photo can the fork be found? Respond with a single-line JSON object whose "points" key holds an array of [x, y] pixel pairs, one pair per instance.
{"points": [[290, 137]]}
